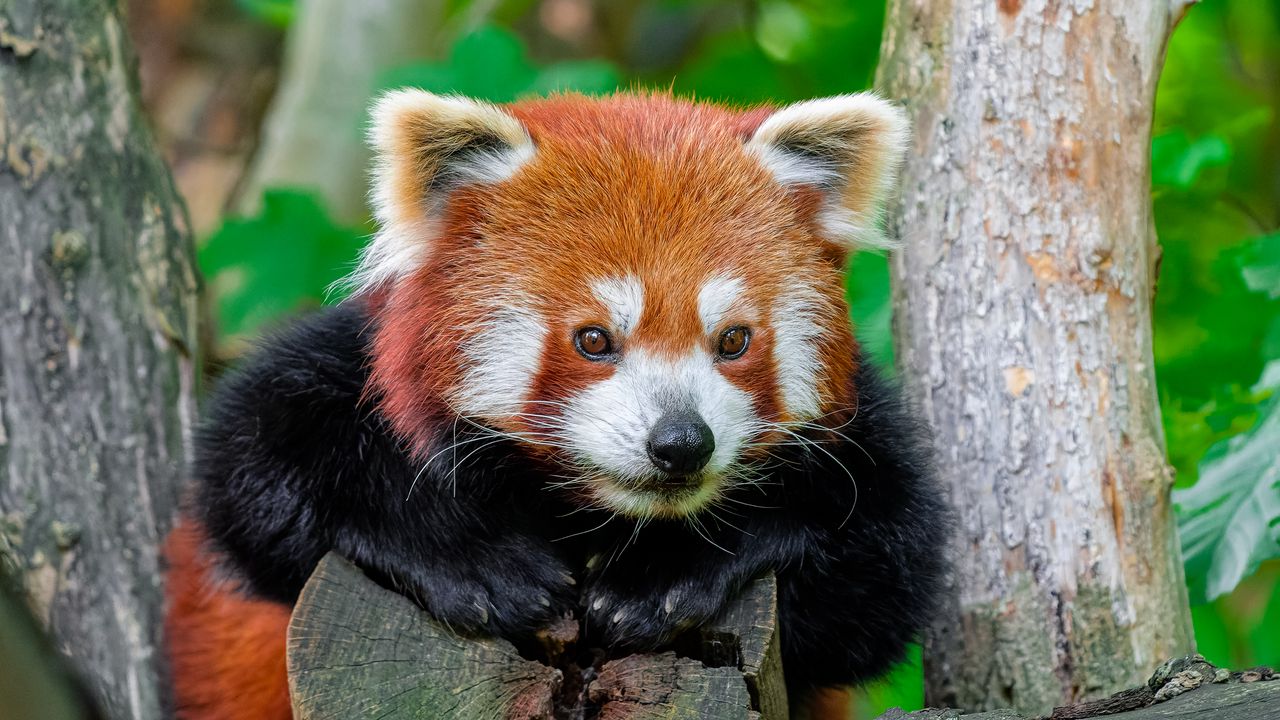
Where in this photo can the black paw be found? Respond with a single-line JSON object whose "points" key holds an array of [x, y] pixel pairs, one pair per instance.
{"points": [[506, 593], [653, 616]]}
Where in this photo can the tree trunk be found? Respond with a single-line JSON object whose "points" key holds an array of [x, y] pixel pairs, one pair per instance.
{"points": [[1023, 319], [97, 319], [313, 137]]}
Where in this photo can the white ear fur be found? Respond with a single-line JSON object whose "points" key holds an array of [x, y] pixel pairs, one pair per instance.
{"points": [[424, 146], [849, 147]]}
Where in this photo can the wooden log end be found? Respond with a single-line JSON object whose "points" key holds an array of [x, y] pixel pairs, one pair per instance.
{"points": [[356, 649]]}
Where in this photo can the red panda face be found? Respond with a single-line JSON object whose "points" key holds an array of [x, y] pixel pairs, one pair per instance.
{"points": [[645, 291]]}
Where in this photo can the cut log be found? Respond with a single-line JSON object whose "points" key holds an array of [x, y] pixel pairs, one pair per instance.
{"points": [[669, 687], [746, 637], [358, 650]]}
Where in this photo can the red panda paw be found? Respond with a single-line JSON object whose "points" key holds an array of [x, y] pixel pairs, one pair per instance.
{"points": [[650, 617], [511, 593]]}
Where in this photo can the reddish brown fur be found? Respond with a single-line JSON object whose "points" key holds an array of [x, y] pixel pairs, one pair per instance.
{"points": [[227, 652], [644, 185], [833, 703]]}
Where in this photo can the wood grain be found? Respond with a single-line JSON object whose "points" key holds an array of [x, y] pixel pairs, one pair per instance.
{"points": [[357, 650]]}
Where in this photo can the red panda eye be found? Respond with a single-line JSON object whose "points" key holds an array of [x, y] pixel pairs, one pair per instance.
{"points": [[594, 343], [733, 343]]}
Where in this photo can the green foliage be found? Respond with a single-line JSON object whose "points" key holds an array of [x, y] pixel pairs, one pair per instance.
{"points": [[1178, 162], [1260, 267], [273, 12], [1217, 320], [490, 63], [785, 51], [871, 306], [1217, 315], [1211, 335], [285, 257], [902, 688], [1230, 519], [1238, 630]]}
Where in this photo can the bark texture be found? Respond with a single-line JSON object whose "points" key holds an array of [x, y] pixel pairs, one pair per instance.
{"points": [[314, 133], [359, 650], [1023, 319], [97, 316], [1185, 688]]}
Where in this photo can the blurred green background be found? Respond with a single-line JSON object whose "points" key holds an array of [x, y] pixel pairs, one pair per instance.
{"points": [[1216, 189]]}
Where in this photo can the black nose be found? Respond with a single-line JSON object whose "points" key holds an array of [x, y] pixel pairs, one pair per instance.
{"points": [[680, 443]]}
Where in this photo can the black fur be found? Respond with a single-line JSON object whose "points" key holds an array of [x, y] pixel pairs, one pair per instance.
{"points": [[292, 463]]}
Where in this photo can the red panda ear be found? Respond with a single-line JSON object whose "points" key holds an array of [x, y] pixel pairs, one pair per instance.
{"points": [[848, 147], [426, 145]]}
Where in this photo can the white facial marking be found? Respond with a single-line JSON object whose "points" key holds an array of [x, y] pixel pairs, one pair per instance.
{"points": [[624, 297], [503, 356], [797, 327], [608, 424], [717, 296]]}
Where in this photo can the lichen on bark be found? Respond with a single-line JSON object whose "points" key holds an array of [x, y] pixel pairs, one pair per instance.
{"points": [[97, 326]]}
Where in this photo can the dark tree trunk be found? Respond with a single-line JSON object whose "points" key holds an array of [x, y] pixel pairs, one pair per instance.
{"points": [[97, 321]]}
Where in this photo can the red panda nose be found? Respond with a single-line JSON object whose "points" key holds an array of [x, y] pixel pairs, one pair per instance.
{"points": [[680, 443]]}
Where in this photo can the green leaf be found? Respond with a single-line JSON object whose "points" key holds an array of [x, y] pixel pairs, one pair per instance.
{"points": [[1260, 266], [432, 77], [285, 257], [1178, 162], [1229, 521], [733, 68], [783, 31], [490, 63], [902, 688], [273, 12]]}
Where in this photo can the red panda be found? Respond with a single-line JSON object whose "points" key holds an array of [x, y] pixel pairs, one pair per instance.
{"points": [[597, 360]]}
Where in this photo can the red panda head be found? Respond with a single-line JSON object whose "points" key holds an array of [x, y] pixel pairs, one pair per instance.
{"points": [[644, 290]]}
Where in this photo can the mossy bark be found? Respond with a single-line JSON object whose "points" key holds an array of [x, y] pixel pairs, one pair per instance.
{"points": [[97, 321], [1023, 317]]}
